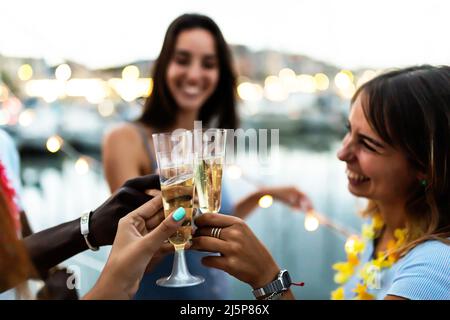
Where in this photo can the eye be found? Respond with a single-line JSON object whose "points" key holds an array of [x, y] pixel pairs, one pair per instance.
{"points": [[367, 146], [209, 64], [181, 61], [182, 58]]}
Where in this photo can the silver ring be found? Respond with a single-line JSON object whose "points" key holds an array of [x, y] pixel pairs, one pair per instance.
{"points": [[215, 232]]}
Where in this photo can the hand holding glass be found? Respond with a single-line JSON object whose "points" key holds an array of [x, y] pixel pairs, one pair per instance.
{"points": [[175, 163]]}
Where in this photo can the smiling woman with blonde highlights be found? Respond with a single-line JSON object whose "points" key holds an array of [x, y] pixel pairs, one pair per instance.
{"points": [[397, 152]]}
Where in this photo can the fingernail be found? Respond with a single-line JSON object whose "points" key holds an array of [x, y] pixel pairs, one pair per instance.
{"points": [[179, 214]]}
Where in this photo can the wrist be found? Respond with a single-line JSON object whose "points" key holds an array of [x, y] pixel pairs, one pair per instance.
{"points": [[266, 277], [275, 289], [85, 230], [76, 237], [108, 287]]}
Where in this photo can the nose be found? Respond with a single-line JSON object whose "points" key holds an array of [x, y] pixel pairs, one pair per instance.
{"points": [[346, 152], [194, 72]]}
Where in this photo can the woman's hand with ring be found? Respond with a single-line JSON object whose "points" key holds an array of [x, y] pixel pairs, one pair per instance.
{"points": [[242, 254]]}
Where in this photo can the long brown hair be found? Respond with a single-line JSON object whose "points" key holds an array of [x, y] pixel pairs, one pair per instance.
{"points": [[15, 263], [410, 110], [160, 108]]}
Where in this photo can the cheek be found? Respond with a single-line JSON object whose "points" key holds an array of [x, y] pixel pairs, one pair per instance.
{"points": [[171, 72], [369, 165], [402, 178], [213, 77], [396, 179]]}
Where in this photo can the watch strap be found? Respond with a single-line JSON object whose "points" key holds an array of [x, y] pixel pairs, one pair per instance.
{"points": [[275, 286], [84, 228]]}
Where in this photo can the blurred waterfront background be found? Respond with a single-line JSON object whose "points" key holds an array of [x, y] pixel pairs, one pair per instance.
{"points": [[67, 74]]}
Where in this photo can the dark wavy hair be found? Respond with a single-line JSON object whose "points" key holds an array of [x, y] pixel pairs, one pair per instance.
{"points": [[160, 108], [410, 110]]}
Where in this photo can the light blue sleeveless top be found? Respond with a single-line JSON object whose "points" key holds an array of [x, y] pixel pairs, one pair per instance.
{"points": [[215, 287], [422, 274]]}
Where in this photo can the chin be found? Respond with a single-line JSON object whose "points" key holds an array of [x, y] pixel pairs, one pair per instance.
{"points": [[356, 192], [190, 106]]}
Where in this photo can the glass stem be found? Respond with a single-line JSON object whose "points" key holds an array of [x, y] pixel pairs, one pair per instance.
{"points": [[179, 262]]}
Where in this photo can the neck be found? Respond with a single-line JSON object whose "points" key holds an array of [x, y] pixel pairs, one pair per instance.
{"points": [[185, 120], [393, 214]]}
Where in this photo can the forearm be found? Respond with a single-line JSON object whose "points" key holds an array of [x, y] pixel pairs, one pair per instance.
{"points": [[52, 246], [244, 207], [101, 291]]}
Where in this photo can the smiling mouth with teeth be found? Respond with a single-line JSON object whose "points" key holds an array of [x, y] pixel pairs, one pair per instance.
{"points": [[191, 90], [354, 177]]}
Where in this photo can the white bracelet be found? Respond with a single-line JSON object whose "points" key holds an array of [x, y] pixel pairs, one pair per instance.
{"points": [[84, 227]]}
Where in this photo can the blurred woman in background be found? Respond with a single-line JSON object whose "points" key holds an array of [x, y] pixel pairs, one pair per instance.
{"points": [[193, 80]]}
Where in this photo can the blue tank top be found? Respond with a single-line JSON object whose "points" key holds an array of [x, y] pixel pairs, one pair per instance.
{"points": [[215, 287]]}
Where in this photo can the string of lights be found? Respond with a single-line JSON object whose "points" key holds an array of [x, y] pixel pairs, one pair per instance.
{"points": [[84, 163], [313, 219]]}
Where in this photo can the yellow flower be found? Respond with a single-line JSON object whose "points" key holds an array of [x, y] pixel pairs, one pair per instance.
{"points": [[377, 222], [400, 235], [368, 232], [338, 294], [370, 272], [344, 272], [341, 277], [344, 267], [392, 251], [361, 293], [354, 245], [381, 261], [353, 259]]}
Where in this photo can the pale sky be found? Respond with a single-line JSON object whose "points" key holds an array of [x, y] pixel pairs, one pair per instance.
{"points": [[349, 33]]}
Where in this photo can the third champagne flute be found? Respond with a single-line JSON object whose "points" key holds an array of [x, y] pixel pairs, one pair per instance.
{"points": [[209, 158]]}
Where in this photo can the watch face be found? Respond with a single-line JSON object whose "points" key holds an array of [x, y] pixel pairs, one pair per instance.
{"points": [[286, 278]]}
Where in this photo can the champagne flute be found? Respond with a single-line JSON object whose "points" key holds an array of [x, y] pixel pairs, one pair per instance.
{"points": [[175, 163], [209, 157]]}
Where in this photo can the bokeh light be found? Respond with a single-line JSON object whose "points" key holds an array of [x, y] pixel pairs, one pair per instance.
{"points": [[63, 72], [82, 166], [265, 201], [25, 72], [54, 143], [311, 222]]}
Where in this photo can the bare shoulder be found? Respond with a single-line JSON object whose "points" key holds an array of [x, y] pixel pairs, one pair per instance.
{"points": [[122, 132], [124, 139]]}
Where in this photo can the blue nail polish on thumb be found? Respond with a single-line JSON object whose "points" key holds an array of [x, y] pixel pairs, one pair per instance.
{"points": [[179, 214]]}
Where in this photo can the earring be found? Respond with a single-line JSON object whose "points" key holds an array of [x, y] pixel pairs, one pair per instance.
{"points": [[423, 182]]}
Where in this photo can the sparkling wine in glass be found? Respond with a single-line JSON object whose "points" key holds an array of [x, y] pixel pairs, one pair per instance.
{"points": [[175, 164], [209, 157]]}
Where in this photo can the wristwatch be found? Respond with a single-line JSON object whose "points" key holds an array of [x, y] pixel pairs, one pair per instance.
{"points": [[276, 287], [84, 228]]}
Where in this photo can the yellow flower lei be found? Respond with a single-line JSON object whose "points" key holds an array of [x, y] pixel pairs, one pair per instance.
{"points": [[354, 247]]}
